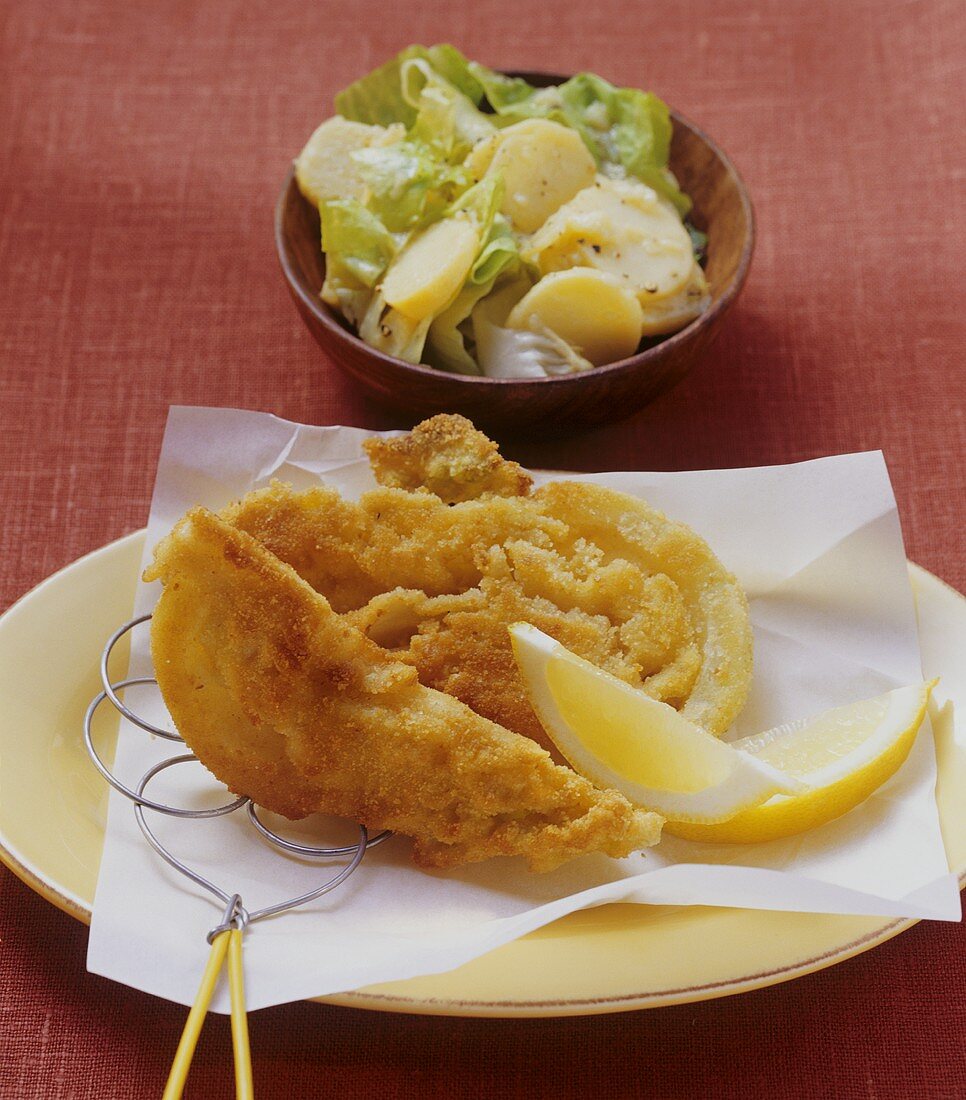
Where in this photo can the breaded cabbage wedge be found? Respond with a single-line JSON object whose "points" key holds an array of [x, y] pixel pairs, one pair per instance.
{"points": [[447, 456], [288, 703]]}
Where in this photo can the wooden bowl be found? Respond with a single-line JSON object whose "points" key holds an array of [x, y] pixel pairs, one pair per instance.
{"points": [[722, 209]]}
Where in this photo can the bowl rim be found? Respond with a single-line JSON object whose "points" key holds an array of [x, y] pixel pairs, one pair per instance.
{"points": [[320, 312]]}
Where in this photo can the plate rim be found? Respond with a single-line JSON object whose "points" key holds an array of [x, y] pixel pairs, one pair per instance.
{"points": [[591, 1006], [375, 998]]}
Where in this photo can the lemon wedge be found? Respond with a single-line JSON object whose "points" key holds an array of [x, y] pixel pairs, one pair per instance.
{"points": [[616, 736], [843, 755]]}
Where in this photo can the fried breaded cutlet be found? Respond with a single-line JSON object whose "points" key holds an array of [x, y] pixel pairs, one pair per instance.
{"points": [[438, 583], [320, 654], [291, 704]]}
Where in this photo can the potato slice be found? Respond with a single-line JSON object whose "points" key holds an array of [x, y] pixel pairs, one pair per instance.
{"points": [[325, 170], [671, 314], [624, 228], [589, 309], [430, 270], [543, 164]]}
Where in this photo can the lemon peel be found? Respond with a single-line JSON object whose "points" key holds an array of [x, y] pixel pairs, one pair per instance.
{"points": [[618, 737], [844, 755]]}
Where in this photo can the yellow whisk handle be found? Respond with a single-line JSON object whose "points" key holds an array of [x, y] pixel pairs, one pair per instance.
{"points": [[244, 1088], [196, 1017]]}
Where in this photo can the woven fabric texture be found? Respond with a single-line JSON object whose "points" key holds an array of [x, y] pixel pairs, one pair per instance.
{"points": [[142, 148]]}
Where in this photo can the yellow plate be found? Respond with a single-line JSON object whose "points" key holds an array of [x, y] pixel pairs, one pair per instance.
{"points": [[52, 812]]}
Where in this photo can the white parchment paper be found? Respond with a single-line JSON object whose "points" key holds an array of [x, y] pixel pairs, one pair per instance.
{"points": [[818, 548]]}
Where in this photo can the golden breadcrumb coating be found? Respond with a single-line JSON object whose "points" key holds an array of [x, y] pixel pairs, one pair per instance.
{"points": [[459, 644], [289, 703], [447, 456], [391, 538], [602, 572]]}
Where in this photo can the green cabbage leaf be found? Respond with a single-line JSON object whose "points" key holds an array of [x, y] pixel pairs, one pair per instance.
{"points": [[355, 241], [409, 185], [627, 130], [378, 98], [499, 256]]}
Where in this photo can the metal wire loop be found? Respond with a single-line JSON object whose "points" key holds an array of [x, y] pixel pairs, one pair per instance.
{"points": [[310, 851], [311, 895], [136, 796], [110, 688], [237, 910], [141, 803], [235, 918]]}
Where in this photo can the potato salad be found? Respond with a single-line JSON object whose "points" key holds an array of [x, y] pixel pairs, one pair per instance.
{"points": [[480, 225]]}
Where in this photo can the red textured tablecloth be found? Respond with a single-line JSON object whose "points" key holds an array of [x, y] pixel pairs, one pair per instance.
{"points": [[141, 150]]}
